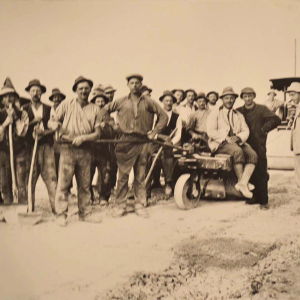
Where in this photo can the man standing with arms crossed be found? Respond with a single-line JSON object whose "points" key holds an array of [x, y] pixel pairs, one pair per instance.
{"points": [[80, 124], [135, 114], [260, 121]]}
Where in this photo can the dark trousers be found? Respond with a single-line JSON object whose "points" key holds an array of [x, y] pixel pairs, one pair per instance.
{"points": [[113, 166], [260, 176], [131, 156], [101, 161], [73, 161], [21, 176]]}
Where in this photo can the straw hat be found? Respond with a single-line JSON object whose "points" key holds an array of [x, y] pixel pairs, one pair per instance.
{"points": [[109, 89], [8, 88], [228, 91]]}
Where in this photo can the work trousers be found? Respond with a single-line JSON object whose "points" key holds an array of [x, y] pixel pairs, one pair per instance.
{"points": [[243, 154], [130, 155], [297, 169], [113, 166], [165, 161], [260, 176], [74, 161], [20, 159], [101, 161], [45, 166]]}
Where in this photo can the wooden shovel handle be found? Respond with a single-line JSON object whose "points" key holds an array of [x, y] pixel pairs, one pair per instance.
{"points": [[31, 174], [12, 165]]}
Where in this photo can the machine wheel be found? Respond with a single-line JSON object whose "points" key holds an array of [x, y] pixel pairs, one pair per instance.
{"points": [[187, 192]]}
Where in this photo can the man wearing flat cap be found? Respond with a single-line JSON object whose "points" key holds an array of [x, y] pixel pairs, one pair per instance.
{"points": [[80, 124], [197, 123], [179, 95], [135, 115], [56, 97], [294, 93], [101, 155], [11, 114], [39, 115], [260, 121], [212, 98], [109, 92], [228, 132]]}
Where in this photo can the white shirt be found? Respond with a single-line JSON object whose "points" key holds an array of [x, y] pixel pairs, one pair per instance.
{"points": [[38, 113], [177, 137]]}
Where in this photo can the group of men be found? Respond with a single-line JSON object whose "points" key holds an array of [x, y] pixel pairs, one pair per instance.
{"points": [[69, 140]]}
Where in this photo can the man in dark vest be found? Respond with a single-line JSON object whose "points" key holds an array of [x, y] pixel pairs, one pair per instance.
{"points": [[167, 157], [10, 114], [39, 115]]}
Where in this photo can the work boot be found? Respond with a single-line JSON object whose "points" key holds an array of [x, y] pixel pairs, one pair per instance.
{"points": [[61, 221], [168, 190], [264, 206], [251, 202], [90, 218], [140, 211], [119, 212], [244, 190]]}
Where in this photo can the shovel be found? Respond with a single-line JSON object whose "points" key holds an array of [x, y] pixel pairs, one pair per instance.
{"points": [[31, 218], [10, 212]]}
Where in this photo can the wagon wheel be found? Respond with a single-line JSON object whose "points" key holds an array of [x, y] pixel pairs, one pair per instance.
{"points": [[187, 192]]}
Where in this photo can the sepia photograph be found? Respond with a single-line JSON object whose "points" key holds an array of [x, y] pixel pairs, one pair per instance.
{"points": [[149, 149]]}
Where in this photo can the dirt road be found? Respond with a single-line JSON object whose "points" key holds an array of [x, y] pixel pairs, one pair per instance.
{"points": [[221, 250]]}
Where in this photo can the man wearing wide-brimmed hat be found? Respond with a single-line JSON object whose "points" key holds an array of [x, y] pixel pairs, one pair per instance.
{"points": [[11, 114], [228, 132], [196, 124], [101, 158], [39, 115], [135, 115], [146, 91], [274, 104], [56, 97], [167, 157], [260, 121], [212, 98], [80, 125], [294, 93]]}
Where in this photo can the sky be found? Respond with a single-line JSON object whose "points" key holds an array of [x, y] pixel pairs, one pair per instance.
{"points": [[204, 45]]}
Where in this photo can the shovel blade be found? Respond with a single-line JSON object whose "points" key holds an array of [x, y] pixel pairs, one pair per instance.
{"points": [[30, 218]]}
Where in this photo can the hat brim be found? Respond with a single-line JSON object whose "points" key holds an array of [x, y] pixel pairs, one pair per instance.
{"points": [[217, 94], [233, 94], [43, 88], [109, 91], [140, 78], [90, 82], [93, 100], [177, 90], [242, 94], [161, 98], [6, 91], [61, 94]]}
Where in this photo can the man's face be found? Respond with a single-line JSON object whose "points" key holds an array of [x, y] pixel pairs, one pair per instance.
{"points": [[201, 103], [134, 85], [228, 101], [168, 103], [179, 96], [110, 95], [100, 102], [35, 94], [271, 96], [146, 93], [57, 99], [190, 96], [295, 97], [83, 90], [9, 99], [212, 98], [248, 98]]}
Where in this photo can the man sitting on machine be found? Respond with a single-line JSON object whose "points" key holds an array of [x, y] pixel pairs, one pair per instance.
{"points": [[228, 132]]}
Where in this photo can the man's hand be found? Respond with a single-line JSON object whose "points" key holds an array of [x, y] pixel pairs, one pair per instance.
{"points": [[233, 139], [9, 120], [55, 125], [151, 134], [77, 141]]}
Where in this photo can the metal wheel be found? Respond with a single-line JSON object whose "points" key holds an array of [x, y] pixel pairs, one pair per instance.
{"points": [[187, 192]]}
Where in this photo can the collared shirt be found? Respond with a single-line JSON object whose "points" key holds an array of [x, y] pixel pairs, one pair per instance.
{"points": [[137, 117], [184, 110], [77, 120], [198, 120]]}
